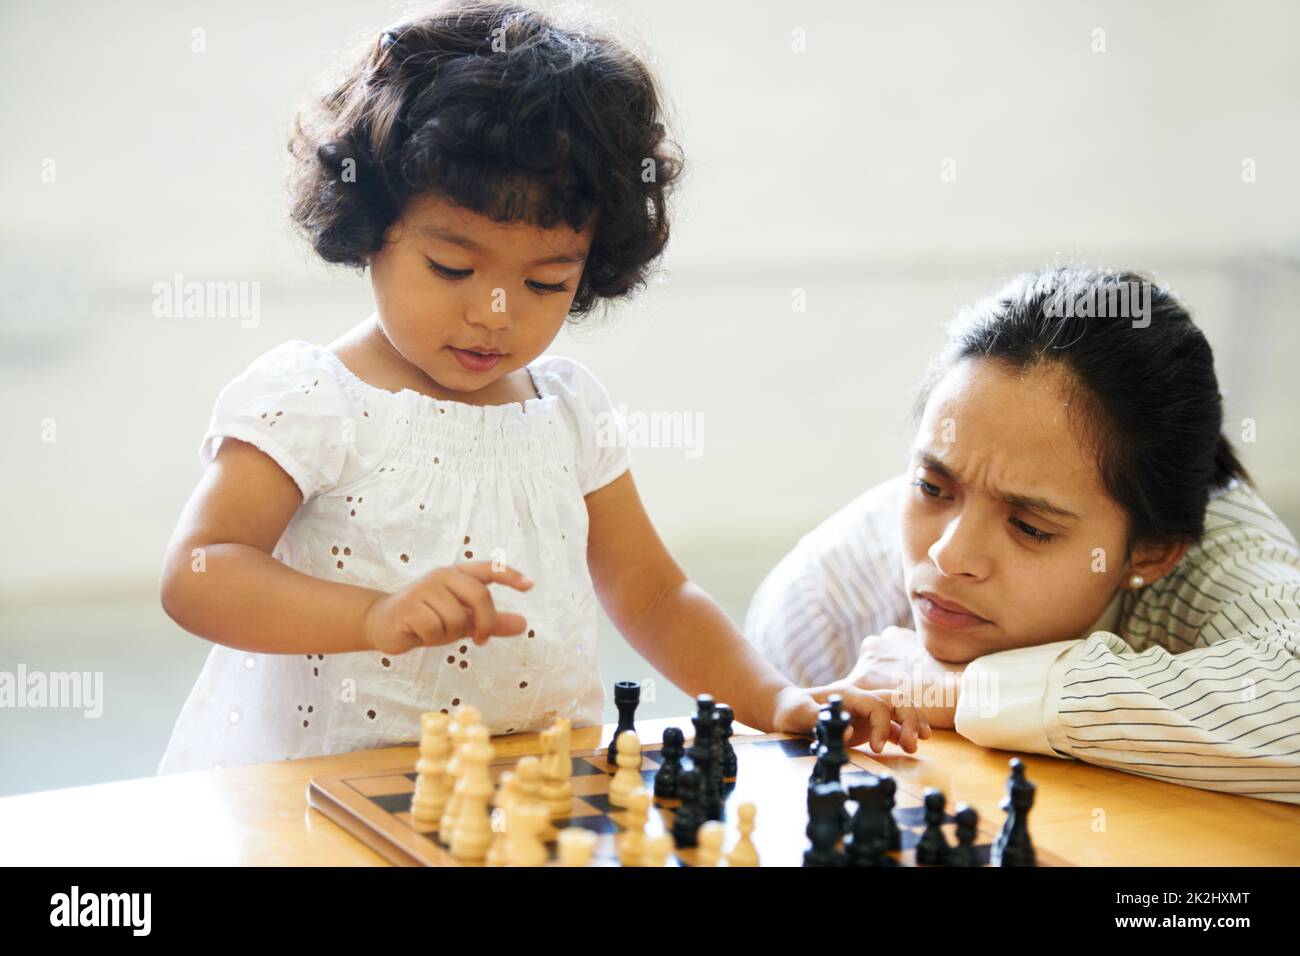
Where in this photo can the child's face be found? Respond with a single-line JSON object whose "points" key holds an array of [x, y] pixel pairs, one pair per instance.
{"points": [[508, 299], [998, 432]]}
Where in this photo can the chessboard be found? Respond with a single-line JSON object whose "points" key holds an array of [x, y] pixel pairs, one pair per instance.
{"points": [[773, 771]]}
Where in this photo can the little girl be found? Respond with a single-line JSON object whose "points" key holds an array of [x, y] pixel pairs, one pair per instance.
{"points": [[496, 172]]}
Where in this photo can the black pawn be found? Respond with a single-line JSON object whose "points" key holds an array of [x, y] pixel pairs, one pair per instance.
{"points": [[843, 822], [1013, 846], [825, 806], [729, 763], [865, 844], [932, 850], [963, 854], [627, 694], [671, 768], [687, 819], [893, 837]]}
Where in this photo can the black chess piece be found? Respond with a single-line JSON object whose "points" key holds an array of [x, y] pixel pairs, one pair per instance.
{"points": [[627, 694], [702, 752], [671, 768], [819, 741], [834, 723], [729, 763], [719, 778], [843, 822], [933, 849], [963, 854], [687, 819], [825, 806], [865, 844], [1013, 846], [892, 836]]}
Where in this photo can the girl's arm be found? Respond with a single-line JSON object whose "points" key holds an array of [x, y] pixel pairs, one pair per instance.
{"points": [[234, 592], [685, 634]]}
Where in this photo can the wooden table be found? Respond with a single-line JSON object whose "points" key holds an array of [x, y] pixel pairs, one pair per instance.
{"points": [[259, 815]]}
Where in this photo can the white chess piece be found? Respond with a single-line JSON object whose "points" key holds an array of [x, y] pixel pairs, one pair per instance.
{"points": [[632, 841], [557, 768], [524, 827], [433, 785], [628, 777], [709, 838], [503, 800], [744, 853], [576, 846], [461, 721], [657, 849], [473, 831], [528, 785]]}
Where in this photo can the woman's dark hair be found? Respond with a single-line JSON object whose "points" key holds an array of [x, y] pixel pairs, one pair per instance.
{"points": [[499, 109], [1143, 388]]}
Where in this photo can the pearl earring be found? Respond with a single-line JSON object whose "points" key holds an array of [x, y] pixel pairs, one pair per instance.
{"points": [[1136, 581]]}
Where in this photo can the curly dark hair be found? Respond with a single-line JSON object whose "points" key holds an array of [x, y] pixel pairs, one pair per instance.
{"points": [[499, 109]]}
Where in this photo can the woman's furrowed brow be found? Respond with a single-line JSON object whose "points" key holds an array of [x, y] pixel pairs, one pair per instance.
{"points": [[1029, 502]]}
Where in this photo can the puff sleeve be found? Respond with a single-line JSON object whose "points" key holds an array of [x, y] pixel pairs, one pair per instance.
{"points": [[600, 429], [291, 407]]}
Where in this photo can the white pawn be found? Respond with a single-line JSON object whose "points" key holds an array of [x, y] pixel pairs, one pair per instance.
{"points": [[628, 777], [744, 853], [631, 843], [657, 849], [503, 801], [463, 719], [557, 768], [524, 827], [576, 846], [709, 837], [433, 785], [528, 786], [473, 832]]}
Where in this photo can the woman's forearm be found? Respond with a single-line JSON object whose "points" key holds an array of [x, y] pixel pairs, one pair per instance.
{"points": [[246, 599]]}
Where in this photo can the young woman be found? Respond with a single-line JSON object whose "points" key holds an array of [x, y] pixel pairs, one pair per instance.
{"points": [[1074, 557]]}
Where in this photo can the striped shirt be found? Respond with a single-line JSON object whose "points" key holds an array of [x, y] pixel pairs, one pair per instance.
{"points": [[1194, 679]]}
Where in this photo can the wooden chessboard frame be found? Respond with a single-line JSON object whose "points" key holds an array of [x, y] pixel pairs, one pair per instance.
{"points": [[349, 799]]}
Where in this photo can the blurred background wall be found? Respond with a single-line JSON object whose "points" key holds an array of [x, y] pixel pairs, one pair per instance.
{"points": [[893, 161]]}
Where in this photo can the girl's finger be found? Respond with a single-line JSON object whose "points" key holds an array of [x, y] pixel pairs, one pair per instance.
{"points": [[473, 594], [509, 624], [881, 727], [427, 623], [483, 571], [868, 709], [455, 616], [907, 739]]}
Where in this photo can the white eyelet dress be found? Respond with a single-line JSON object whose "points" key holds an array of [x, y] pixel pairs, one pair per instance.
{"points": [[396, 484]]}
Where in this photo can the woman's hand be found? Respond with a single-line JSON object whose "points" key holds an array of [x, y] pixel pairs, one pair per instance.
{"points": [[896, 659], [878, 717], [445, 605]]}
